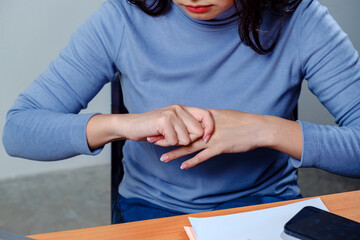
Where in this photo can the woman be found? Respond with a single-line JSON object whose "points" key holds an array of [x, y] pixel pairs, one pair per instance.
{"points": [[220, 78]]}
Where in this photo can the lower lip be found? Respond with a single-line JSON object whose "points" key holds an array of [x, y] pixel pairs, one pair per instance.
{"points": [[200, 9]]}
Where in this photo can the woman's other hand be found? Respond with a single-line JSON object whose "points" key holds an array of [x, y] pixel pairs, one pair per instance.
{"points": [[237, 132]]}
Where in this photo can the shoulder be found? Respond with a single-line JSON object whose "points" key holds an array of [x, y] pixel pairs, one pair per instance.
{"points": [[129, 14], [310, 9], [113, 16], [114, 11], [312, 18], [124, 7]]}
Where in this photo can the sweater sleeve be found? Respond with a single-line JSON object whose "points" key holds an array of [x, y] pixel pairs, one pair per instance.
{"points": [[331, 66], [43, 123]]}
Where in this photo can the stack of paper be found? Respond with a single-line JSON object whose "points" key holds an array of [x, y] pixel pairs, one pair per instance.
{"points": [[256, 225]]}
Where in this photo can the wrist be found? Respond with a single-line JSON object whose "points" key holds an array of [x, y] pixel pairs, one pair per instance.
{"points": [[269, 130], [283, 135], [104, 128], [119, 126]]}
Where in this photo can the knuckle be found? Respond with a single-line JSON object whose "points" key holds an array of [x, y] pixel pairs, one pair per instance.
{"points": [[207, 112], [185, 141], [200, 130], [209, 116], [163, 119], [171, 113], [196, 160], [177, 107], [170, 155], [173, 141]]}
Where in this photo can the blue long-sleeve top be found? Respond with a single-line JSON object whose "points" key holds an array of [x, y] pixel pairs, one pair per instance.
{"points": [[174, 59]]}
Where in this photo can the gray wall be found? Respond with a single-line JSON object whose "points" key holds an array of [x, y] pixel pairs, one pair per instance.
{"points": [[31, 35], [33, 32]]}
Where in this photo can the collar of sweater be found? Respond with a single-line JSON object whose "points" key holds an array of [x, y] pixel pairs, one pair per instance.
{"points": [[225, 19]]}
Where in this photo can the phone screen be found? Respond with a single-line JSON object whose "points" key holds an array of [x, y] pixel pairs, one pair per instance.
{"points": [[313, 223]]}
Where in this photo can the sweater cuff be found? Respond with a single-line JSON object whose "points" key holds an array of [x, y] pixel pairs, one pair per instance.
{"points": [[310, 150], [78, 135]]}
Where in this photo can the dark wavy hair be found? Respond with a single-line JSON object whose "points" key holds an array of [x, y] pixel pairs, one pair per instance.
{"points": [[251, 16]]}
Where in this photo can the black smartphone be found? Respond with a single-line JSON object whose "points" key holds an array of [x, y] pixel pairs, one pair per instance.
{"points": [[312, 223]]}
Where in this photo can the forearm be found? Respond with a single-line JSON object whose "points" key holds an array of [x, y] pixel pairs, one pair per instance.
{"points": [[331, 148], [104, 128], [45, 135], [283, 135]]}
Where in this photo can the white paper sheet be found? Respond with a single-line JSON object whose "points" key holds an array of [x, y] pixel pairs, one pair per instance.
{"points": [[266, 224]]}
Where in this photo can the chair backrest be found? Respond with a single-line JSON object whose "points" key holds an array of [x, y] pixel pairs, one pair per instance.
{"points": [[296, 113], [117, 170]]}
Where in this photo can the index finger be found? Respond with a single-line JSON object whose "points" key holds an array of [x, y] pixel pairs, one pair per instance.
{"points": [[183, 151]]}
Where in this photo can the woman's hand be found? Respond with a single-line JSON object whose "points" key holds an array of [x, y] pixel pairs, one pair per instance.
{"points": [[168, 126], [237, 132], [172, 125]]}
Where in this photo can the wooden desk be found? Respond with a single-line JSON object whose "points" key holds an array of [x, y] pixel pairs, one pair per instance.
{"points": [[172, 228]]}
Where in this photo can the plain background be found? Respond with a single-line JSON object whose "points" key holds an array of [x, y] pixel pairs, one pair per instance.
{"points": [[33, 31]]}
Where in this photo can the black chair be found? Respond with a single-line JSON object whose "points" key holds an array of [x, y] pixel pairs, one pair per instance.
{"points": [[117, 170]]}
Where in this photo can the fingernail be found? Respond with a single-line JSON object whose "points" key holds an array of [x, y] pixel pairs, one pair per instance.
{"points": [[183, 166], [206, 139], [164, 158], [150, 139]]}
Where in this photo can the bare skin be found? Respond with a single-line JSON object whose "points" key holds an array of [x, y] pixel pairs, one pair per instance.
{"points": [[237, 132]]}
